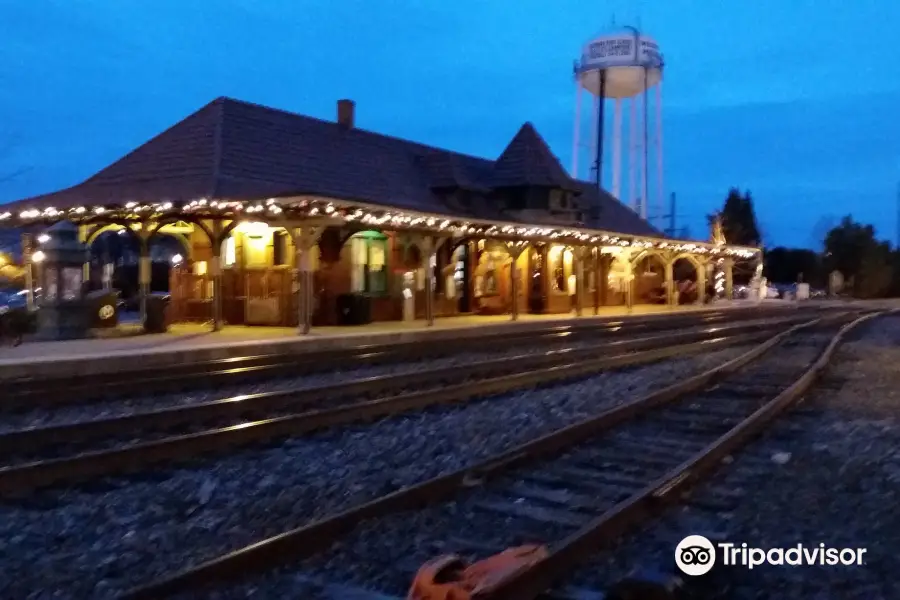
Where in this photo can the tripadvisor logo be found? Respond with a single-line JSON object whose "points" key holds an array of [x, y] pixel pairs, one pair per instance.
{"points": [[696, 555]]}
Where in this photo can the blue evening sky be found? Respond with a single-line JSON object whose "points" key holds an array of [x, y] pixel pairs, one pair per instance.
{"points": [[793, 99]]}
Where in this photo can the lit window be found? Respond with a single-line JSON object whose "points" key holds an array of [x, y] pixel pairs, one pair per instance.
{"points": [[368, 271], [560, 260], [228, 251], [279, 248]]}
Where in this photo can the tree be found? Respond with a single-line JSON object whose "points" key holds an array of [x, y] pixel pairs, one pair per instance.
{"points": [[790, 265], [865, 263], [738, 226], [739, 219], [876, 272]]}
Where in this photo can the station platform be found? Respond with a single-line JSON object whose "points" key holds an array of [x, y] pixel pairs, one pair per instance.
{"points": [[128, 347]]}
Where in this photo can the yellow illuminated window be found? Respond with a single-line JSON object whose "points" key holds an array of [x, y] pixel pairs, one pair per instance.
{"points": [[255, 249], [228, 252], [561, 268], [368, 258]]}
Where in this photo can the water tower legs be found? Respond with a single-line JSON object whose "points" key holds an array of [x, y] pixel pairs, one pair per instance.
{"points": [[598, 161], [617, 148], [645, 158], [595, 128], [633, 196], [661, 190], [575, 135]]}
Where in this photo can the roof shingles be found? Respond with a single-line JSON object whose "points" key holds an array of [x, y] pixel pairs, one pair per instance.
{"points": [[528, 161], [231, 149]]}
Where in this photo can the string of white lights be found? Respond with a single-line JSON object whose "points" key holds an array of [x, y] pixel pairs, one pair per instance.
{"points": [[308, 207]]}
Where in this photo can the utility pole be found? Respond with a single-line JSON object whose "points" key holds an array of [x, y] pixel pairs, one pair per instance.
{"points": [[672, 212], [598, 160], [670, 230]]}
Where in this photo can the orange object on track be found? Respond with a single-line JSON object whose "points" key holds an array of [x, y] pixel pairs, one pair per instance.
{"points": [[449, 578]]}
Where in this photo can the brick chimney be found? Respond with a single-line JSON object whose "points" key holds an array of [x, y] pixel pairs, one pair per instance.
{"points": [[345, 109]]}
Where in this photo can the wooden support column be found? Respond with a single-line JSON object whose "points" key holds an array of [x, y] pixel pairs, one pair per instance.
{"points": [[670, 283], [729, 278], [27, 242], [86, 267], [629, 284], [305, 239], [579, 254], [515, 249], [215, 270], [701, 285], [603, 284], [429, 246], [144, 269], [601, 275], [596, 257]]}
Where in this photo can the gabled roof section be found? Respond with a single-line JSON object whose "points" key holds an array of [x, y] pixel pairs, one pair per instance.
{"points": [[612, 215], [447, 170], [272, 153], [235, 150], [186, 152], [527, 161]]}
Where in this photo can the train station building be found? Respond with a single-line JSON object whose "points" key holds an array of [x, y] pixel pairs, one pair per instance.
{"points": [[289, 220]]}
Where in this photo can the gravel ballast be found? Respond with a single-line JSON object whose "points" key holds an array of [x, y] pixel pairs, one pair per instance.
{"points": [[827, 473], [383, 554], [97, 542]]}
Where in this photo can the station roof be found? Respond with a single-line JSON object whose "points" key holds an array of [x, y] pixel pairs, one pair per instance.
{"points": [[230, 152]]}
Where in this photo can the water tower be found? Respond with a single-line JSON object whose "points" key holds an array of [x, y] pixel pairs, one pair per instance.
{"points": [[623, 67]]}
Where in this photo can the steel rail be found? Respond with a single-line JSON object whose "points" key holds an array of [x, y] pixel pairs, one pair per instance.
{"points": [[22, 478], [531, 582], [319, 534], [245, 405], [25, 393]]}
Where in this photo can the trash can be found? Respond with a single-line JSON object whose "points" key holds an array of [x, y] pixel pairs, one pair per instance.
{"points": [[354, 309], [155, 321], [537, 304], [102, 307], [16, 322]]}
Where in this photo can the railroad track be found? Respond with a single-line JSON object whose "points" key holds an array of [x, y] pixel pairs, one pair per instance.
{"points": [[78, 451], [574, 490], [28, 393]]}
